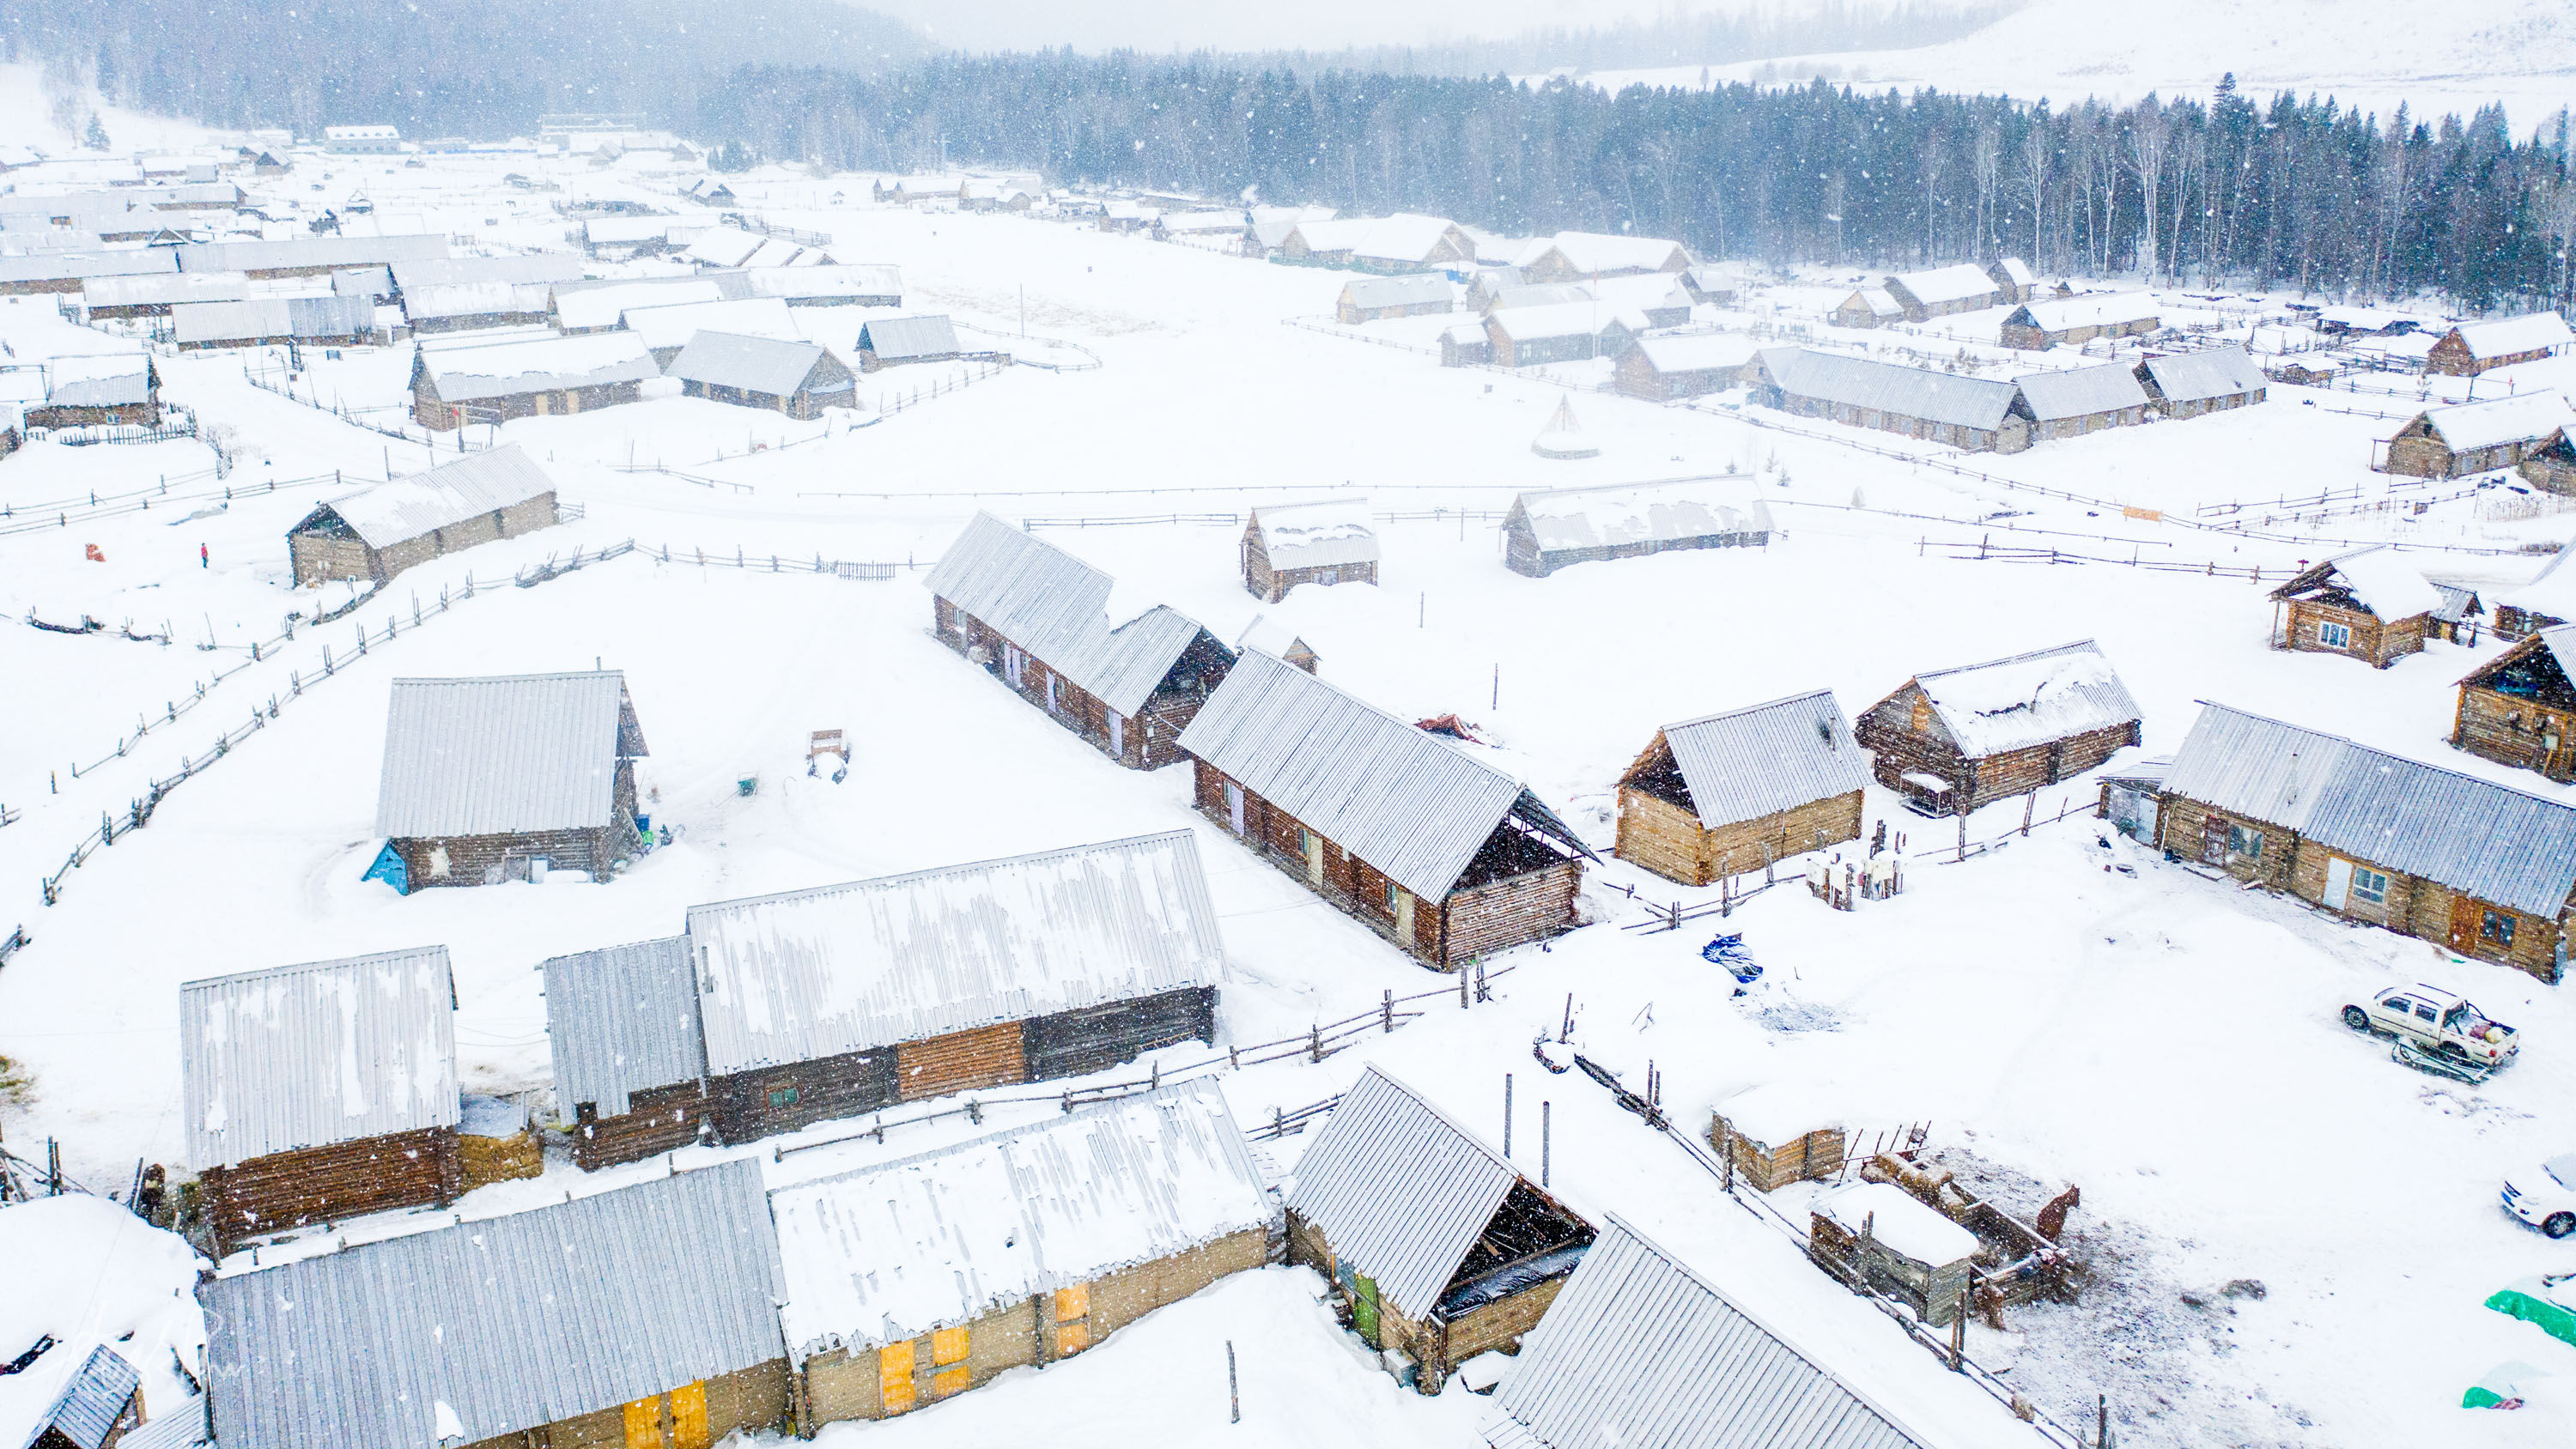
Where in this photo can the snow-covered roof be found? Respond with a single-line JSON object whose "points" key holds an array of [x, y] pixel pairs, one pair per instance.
{"points": [[1400, 1191], [163, 288], [80, 266], [2028, 699], [304, 252], [2382, 581], [2506, 336], [672, 324], [2214, 372], [502, 755], [893, 1251], [1610, 514], [1603, 253], [1200, 222], [1963, 282], [771, 365], [359, 133], [103, 380], [472, 372], [815, 973], [1414, 291], [467, 1333], [623, 1019], [902, 337], [614, 230], [1403, 237], [2093, 309], [1658, 291], [1326, 533], [726, 246], [2082, 391], [2016, 271], [1877, 300], [452, 271], [1775, 1113], [1765, 758], [307, 1056], [1897, 1219], [1055, 606], [1887, 387], [587, 308], [2368, 319], [2489, 841], [2551, 592], [842, 282], [406, 508], [1541, 294], [1700, 352], [1559, 319], [425, 300], [308, 317], [2520, 418]]}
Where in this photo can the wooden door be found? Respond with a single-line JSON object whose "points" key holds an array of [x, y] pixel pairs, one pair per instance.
{"points": [[689, 1417], [1314, 858], [894, 1377], [644, 1423], [949, 1373], [1364, 1317], [1072, 1320], [961, 1061], [2213, 841], [2465, 919], [1403, 914]]}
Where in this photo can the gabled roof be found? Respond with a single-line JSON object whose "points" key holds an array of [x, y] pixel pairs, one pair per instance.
{"points": [[473, 372], [2505, 336], [892, 1251], [73, 266], [758, 364], [2485, 840], [1660, 291], [2028, 699], [1877, 300], [848, 280], [314, 251], [1637, 1340], [333, 316], [503, 755], [1608, 514], [895, 337], [623, 1019], [2082, 391], [2210, 373], [726, 246], [405, 508], [1558, 319], [1539, 294], [815, 973], [1325, 533], [423, 301], [307, 1056], [463, 1334], [1399, 1190], [2552, 591], [2016, 271], [673, 324], [1055, 606], [1700, 352], [1415, 291], [579, 309], [1765, 758], [1405, 236], [2378, 578], [1959, 283], [1411, 804], [1913, 392], [1592, 251], [163, 288], [105, 380], [2093, 309], [533, 267], [91, 1401], [2523, 417]]}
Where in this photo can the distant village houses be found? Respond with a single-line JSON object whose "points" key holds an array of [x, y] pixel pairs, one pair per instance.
{"points": [[2477, 437], [2475, 347], [1553, 528], [2074, 321]]}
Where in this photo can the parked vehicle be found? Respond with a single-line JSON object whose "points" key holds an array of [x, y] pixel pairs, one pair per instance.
{"points": [[2545, 1196], [2439, 1026]]}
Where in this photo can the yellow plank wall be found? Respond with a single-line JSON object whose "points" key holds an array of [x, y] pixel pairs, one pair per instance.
{"points": [[688, 1416], [1666, 839]]}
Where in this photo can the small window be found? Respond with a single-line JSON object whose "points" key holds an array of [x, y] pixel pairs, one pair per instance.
{"points": [[2397, 1004], [2426, 1013], [2334, 636], [2369, 885], [2244, 843], [782, 1096], [2497, 927]]}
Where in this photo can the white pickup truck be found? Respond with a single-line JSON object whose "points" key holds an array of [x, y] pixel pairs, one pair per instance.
{"points": [[2438, 1022]]}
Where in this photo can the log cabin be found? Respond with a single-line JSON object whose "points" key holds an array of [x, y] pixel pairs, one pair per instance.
{"points": [[2074, 321], [916, 1280], [1563, 332], [322, 1091], [2480, 868], [1038, 619], [1329, 541], [2519, 708], [485, 778], [2082, 400], [863, 284], [1554, 528], [1868, 307], [898, 341], [1367, 299], [2551, 465], [1640, 1340], [378, 532], [2014, 281], [1954, 740], [2475, 347], [777, 1012], [469, 380], [1778, 1133], [2188, 384], [2478, 437], [1470, 1262], [1942, 291], [1466, 344], [1733, 792], [644, 1317], [1666, 369], [667, 328], [794, 379], [1404, 242], [2547, 601], [98, 1404], [1973, 413], [1659, 297], [1575, 256], [1442, 853], [2370, 604], [112, 388]]}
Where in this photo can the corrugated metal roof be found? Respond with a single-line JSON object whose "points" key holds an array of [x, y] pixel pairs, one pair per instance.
{"points": [[623, 1019], [71, 266], [469, 372], [2199, 376], [814, 973], [91, 1402], [1415, 291], [1411, 804], [1701, 353], [1609, 514], [536, 267], [406, 508], [726, 246], [2082, 392], [848, 282], [425, 300], [500, 755], [1326, 533], [2505, 336], [1752, 762], [759, 364], [2028, 699], [2490, 841], [901, 337], [172, 1426], [155, 289], [306, 1056], [318, 251], [1638, 1341], [579, 309], [1055, 606], [1963, 282], [892, 1251], [2526, 417], [2094, 309], [502, 1324], [273, 317], [1913, 392], [368, 282], [2459, 601], [1400, 1191], [672, 325], [105, 380]]}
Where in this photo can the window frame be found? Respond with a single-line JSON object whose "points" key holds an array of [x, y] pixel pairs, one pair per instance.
{"points": [[2327, 629], [2497, 928], [2361, 888]]}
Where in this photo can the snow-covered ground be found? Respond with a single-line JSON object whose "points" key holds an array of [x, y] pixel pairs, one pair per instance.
{"points": [[2062, 1008]]}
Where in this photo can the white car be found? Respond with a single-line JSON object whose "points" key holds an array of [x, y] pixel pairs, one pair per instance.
{"points": [[2545, 1195]]}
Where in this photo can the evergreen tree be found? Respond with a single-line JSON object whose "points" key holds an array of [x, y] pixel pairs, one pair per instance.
{"points": [[95, 137]]}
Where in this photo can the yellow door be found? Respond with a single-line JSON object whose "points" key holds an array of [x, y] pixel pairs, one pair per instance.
{"points": [[1072, 1319], [948, 1348], [689, 1417], [894, 1376], [644, 1423]]}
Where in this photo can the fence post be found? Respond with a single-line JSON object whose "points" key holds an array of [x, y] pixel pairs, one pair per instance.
{"points": [[1386, 1011], [1314, 1043]]}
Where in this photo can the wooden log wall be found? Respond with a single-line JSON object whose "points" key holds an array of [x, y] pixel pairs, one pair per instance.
{"points": [[325, 1184], [657, 1120], [2527, 734], [2376, 642], [1358, 889], [767, 1100], [1077, 1043], [1809, 1156], [1513, 911], [469, 857], [962, 1061], [1496, 1325]]}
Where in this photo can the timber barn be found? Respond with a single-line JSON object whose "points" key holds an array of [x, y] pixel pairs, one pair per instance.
{"points": [[2074, 321], [117, 387], [473, 381], [1437, 1246], [2188, 384], [1868, 307], [894, 341], [2475, 347], [1725, 794], [318, 1092], [2519, 708], [2551, 466], [1583, 256], [1328, 541], [378, 532], [1665, 369], [1953, 740], [2548, 600], [781, 1011], [1561, 332], [1555, 528], [916, 1280], [1367, 299], [1038, 618], [2082, 400], [1974, 413], [2483, 869], [2478, 437], [2014, 281], [797, 379], [1440, 852], [1638, 1339], [1942, 292], [2370, 604], [484, 778], [1404, 242], [644, 1317]]}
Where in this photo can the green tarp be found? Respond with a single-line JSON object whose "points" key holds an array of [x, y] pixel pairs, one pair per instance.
{"points": [[2536, 1301], [2500, 1384]]}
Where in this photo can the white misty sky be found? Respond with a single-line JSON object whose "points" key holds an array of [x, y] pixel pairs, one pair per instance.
{"points": [[1160, 25]]}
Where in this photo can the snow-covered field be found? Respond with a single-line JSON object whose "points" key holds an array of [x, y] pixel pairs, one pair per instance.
{"points": [[2064, 1008]]}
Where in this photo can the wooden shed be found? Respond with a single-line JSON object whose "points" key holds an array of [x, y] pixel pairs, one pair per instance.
{"points": [[1466, 344], [798, 379], [1575, 256], [1328, 541], [1439, 851], [2074, 321], [2483, 869], [509, 777], [2082, 400], [1554, 528], [942, 981], [644, 1317], [1733, 792], [2370, 604], [896, 341], [1563, 332], [464, 306], [2478, 437], [1665, 369], [2548, 600], [1438, 1248], [1974, 413], [117, 387], [1942, 291], [1038, 619], [917, 1280], [467, 380], [2216, 379], [2014, 281], [1953, 740], [99, 1400], [2475, 347], [2519, 708], [1868, 307], [2551, 465], [1879, 1234], [1367, 299], [318, 1092], [1777, 1134], [1404, 242], [378, 532]]}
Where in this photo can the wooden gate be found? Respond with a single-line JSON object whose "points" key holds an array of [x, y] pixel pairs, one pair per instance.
{"points": [[960, 1062]]}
